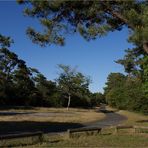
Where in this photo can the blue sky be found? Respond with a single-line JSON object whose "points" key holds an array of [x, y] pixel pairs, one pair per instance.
{"points": [[94, 58]]}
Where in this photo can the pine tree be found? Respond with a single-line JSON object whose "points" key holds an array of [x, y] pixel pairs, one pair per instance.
{"points": [[90, 18]]}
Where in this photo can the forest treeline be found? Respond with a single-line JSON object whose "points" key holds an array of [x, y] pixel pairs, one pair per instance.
{"points": [[129, 91], [25, 86], [22, 85], [93, 19]]}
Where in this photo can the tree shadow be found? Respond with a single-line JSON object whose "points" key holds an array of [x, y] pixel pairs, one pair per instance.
{"points": [[15, 127], [104, 111], [4, 107], [14, 113]]}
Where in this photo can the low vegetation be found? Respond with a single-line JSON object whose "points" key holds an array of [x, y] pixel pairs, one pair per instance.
{"points": [[105, 141], [134, 118], [119, 140]]}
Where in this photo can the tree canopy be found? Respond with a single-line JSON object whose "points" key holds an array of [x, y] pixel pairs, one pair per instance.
{"points": [[90, 18], [23, 85]]}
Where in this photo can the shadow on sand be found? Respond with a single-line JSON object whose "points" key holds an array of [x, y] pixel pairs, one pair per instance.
{"points": [[14, 113], [106, 111], [16, 107], [11, 127]]}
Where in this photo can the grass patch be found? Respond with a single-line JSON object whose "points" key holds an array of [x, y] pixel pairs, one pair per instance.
{"points": [[134, 118], [99, 141], [23, 141]]}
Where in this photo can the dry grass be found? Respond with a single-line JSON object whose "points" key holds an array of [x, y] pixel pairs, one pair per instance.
{"points": [[55, 115], [104, 141], [132, 117]]}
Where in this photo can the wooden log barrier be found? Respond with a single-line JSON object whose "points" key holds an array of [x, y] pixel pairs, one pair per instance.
{"points": [[21, 135], [123, 127], [20, 139], [136, 128], [82, 130]]}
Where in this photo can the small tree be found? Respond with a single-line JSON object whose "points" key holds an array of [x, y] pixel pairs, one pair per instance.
{"points": [[70, 81]]}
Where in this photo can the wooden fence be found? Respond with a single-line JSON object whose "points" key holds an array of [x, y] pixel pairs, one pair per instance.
{"points": [[134, 129], [83, 130], [20, 139], [37, 137], [117, 128]]}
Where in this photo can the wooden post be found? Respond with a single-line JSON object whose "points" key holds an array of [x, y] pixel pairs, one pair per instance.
{"points": [[116, 129], [68, 133], [83, 130], [99, 131], [134, 129]]}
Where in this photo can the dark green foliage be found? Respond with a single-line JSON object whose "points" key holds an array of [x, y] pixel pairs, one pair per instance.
{"points": [[5, 41], [91, 19], [136, 98], [97, 99], [48, 89], [17, 81], [113, 89], [8, 62], [15, 84], [144, 65], [126, 92], [130, 93], [25, 86]]}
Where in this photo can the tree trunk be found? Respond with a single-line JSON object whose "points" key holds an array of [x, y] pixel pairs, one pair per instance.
{"points": [[125, 21], [145, 46], [69, 99]]}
